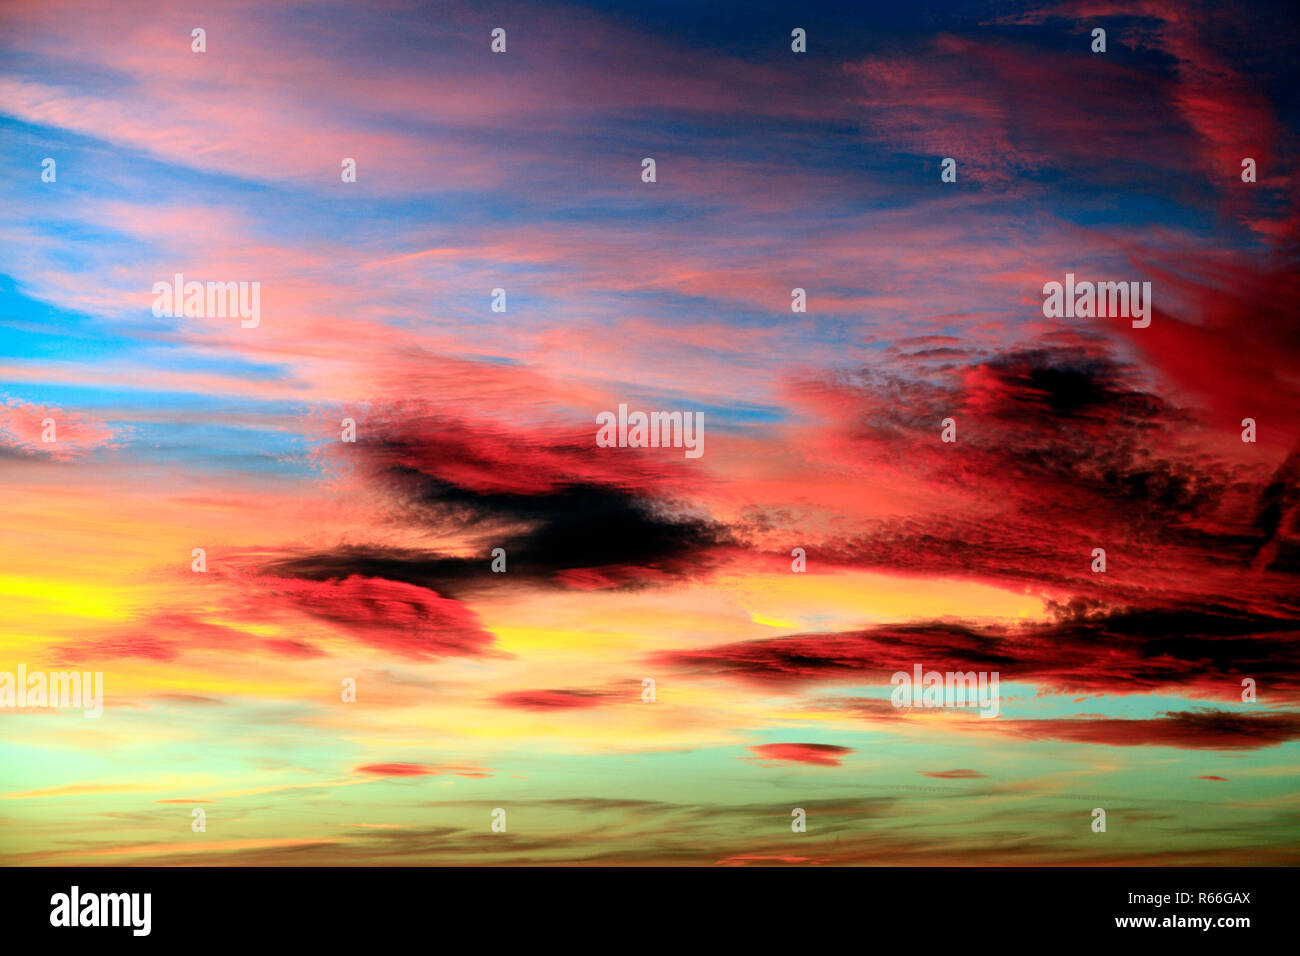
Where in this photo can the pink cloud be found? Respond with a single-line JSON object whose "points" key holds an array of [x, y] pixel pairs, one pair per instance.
{"points": [[50, 432]]}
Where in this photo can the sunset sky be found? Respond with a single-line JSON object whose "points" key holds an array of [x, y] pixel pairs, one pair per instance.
{"points": [[370, 561]]}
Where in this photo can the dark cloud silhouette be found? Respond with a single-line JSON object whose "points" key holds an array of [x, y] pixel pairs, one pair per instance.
{"points": [[1206, 650]]}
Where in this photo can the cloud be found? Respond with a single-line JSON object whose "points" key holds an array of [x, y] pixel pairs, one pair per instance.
{"points": [[24, 428], [543, 700], [565, 516], [952, 774], [818, 755], [1205, 650], [408, 620], [1196, 730], [168, 635], [420, 770], [994, 105]]}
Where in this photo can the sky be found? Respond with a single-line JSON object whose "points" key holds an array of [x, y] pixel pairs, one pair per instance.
{"points": [[686, 660]]}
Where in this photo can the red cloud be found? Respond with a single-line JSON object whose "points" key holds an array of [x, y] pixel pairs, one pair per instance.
{"points": [[1196, 730], [551, 699], [490, 457], [409, 620], [419, 770], [397, 769], [139, 640], [820, 755], [1203, 650]]}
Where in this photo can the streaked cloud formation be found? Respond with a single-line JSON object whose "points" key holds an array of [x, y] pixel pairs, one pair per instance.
{"points": [[370, 562]]}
